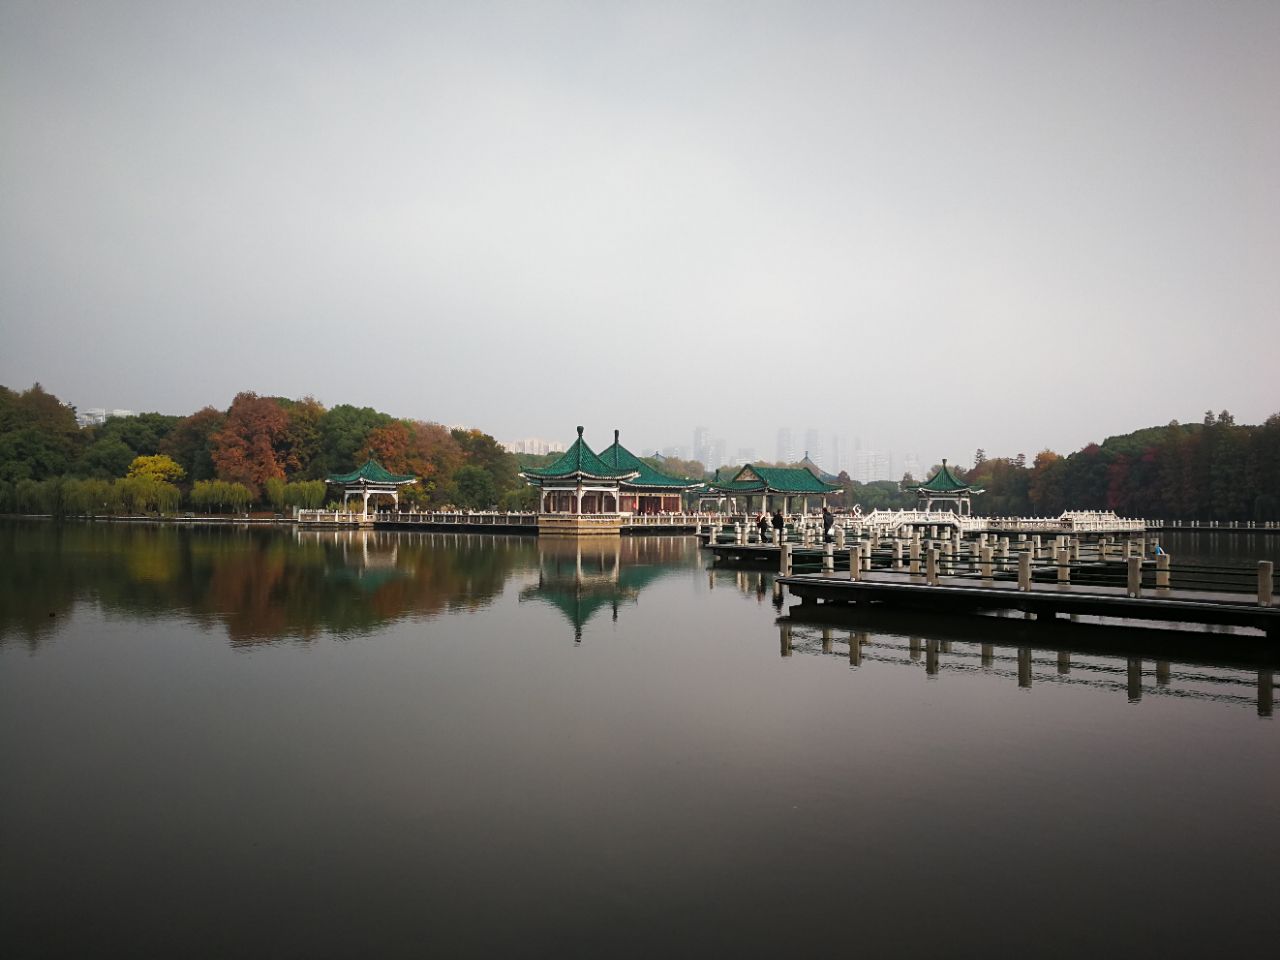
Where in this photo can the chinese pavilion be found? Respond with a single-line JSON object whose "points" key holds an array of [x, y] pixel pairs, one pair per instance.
{"points": [[947, 490], [579, 482], [649, 491], [777, 488], [370, 480]]}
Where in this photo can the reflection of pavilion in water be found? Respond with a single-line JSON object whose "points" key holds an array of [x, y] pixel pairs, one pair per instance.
{"points": [[581, 577], [369, 558], [1133, 676]]}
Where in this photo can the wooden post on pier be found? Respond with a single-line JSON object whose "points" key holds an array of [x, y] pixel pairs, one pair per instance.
{"points": [[984, 561], [1064, 564], [897, 554], [839, 538], [854, 561], [784, 559], [1024, 571], [1035, 545], [931, 566], [828, 558], [1162, 571], [915, 556], [1266, 571], [1135, 576]]}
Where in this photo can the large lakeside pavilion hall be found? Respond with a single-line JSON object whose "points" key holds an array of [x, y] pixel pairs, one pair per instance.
{"points": [[947, 491], [613, 481], [768, 488], [370, 480]]}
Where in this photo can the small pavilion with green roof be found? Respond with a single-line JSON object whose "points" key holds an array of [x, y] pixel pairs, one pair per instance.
{"points": [[650, 491], [370, 480], [946, 490], [777, 488]]}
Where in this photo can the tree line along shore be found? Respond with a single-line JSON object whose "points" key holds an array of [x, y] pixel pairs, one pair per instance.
{"points": [[273, 453]]}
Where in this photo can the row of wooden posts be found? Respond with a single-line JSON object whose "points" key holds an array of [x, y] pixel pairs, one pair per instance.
{"points": [[989, 554]]}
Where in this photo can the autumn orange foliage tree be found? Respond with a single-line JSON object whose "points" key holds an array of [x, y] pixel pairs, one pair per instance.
{"points": [[248, 448], [426, 450]]}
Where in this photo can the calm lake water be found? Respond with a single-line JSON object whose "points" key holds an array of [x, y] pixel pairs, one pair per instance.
{"points": [[233, 743]]}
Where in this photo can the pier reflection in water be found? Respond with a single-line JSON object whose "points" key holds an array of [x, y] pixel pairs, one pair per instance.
{"points": [[1134, 677], [359, 743]]}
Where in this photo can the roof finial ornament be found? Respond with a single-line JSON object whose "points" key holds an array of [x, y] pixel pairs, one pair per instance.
{"points": [[944, 459], [616, 431], [579, 432]]}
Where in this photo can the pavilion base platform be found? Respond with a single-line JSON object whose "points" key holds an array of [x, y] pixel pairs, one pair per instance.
{"points": [[579, 525]]}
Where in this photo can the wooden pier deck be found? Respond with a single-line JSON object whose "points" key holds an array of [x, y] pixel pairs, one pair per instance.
{"points": [[1041, 600]]}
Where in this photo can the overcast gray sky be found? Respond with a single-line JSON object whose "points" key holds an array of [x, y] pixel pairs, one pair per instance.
{"points": [[933, 226]]}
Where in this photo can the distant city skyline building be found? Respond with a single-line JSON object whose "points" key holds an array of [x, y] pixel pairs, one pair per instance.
{"points": [[677, 451], [872, 465], [715, 454], [96, 416], [786, 446], [701, 443], [911, 465], [535, 446], [813, 446], [839, 455]]}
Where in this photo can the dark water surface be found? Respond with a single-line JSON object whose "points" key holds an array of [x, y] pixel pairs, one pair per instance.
{"points": [[231, 743]]}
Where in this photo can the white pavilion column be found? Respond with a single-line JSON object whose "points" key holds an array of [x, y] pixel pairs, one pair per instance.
{"points": [[366, 503]]}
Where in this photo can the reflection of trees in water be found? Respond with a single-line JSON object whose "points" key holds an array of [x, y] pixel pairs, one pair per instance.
{"points": [[581, 577], [260, 584]]}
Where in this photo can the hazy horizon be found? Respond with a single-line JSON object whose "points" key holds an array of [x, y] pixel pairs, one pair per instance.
{"points": [[931, 226]]}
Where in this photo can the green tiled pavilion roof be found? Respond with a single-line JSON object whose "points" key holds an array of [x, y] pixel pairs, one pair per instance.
{"points": [[944, 481], [752, 479], [578, 459], [371, 472], [619, 457]]}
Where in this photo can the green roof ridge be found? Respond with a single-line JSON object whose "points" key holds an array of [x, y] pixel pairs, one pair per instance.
{"points": [[944, 481], [620, 458], [371, 471], [579, 458], [780, 479]]}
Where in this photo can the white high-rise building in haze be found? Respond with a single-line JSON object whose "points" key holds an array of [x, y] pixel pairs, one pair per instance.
{"points": [[534, 445], [702, 445], [786, 446], [813, 447]]}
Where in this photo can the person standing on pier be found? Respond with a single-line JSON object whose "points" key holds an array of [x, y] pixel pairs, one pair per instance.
{"points": [[762, 525], [828, 521], [778, 525]]}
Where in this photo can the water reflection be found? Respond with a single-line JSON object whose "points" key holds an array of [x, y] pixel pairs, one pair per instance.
{"points": [[1117, 660], [263, 585], [259, 585], [582, 577]]}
